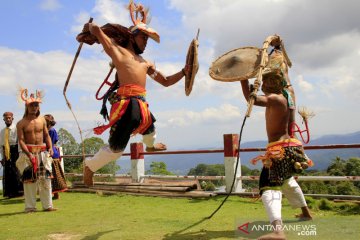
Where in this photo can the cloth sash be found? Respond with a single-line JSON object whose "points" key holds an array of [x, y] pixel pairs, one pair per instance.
{"points": [[275, 150], [6, 144], [118, 108], [39, 155], [35, 149]]}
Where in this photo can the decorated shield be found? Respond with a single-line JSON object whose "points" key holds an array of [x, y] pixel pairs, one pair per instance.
{"points": [[236, 65], [192, 61]]}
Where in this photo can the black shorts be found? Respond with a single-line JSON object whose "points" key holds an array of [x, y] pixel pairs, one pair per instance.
{"points": [[121, 131]]}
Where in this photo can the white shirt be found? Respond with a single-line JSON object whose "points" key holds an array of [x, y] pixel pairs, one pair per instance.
{"points": [[12, 137]]}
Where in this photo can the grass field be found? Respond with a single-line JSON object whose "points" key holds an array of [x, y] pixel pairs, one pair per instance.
{"points": [[95, 216]]}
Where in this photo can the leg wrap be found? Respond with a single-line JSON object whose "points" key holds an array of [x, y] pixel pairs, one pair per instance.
{"points": [[149, 139]]}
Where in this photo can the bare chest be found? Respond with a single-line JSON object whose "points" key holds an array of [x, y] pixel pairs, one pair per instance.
{"points": [[33, 127]]}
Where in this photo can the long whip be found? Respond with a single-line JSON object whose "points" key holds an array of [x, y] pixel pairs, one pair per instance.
{"points": [[64, 93]]}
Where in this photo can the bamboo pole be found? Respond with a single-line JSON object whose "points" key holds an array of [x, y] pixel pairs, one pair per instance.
{"points": [[263, 63]]}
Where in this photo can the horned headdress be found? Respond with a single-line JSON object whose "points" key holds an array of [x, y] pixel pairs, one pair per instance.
{"points": [[140, 18], [30, 98]]}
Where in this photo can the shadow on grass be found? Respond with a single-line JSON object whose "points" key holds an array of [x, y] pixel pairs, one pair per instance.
{"points": [[11, 214], [98, 235], [7, 201], [202, 234]]}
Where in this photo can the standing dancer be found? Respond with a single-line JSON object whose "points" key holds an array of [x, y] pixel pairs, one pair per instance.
{"points": [[35, 160], [284, 155]]}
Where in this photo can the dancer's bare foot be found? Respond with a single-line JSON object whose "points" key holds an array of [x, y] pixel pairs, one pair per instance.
{"points": [[305, 215], [276, 235], [88, 177], [302, 217], [30, 210], [50, 209], [156, 148]]}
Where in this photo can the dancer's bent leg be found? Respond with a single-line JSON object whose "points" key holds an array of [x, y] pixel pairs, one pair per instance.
{"points": [[101, 158]]}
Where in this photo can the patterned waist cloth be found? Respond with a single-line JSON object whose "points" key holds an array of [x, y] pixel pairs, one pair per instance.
{"points": [[276, 151], [36, 148], [120, 104]]}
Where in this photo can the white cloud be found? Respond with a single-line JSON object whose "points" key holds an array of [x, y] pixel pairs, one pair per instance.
{"points": [[304, 85], [111, 11], [50, 5], [211, 116], [103, 12], [49, 69]]}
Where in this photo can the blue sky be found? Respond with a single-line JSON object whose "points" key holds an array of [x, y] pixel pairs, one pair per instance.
{"points": [[37, 46]]}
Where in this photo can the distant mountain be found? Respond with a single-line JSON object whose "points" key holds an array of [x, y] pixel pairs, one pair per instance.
{"points": [[181, 164], [323, 158]]}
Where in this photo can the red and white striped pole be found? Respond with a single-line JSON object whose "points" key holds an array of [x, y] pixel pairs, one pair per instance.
{"points": [[137, 161], [231, 145]]}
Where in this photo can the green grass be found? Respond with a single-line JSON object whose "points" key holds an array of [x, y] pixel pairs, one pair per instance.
{"points": [[94, 216]]}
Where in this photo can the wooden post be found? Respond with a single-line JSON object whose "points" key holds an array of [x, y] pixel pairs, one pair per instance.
{"points": [[137, 161], [231, 146]]}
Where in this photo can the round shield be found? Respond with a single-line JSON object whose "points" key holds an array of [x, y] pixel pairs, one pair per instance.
{"points": [[236, 65], [192, 61]]}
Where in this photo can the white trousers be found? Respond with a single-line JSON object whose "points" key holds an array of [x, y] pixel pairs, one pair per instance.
{"points": [[105, 155], [272, 198], [101, 158], [30, 189]]}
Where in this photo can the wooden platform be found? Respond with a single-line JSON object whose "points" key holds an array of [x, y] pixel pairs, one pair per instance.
{"points": [[153, 188]]}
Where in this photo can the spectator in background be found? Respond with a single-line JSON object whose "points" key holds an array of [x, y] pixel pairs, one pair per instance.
{"points": [[58, 182], [12, 186]]}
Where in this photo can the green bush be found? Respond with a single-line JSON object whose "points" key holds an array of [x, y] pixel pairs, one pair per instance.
{"points": [[325, 204], [207, 186]]}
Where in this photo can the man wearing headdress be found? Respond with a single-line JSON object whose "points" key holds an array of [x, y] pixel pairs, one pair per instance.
{"points": [[35, 160], [284, 155], [129, 113], [12, 186]]}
